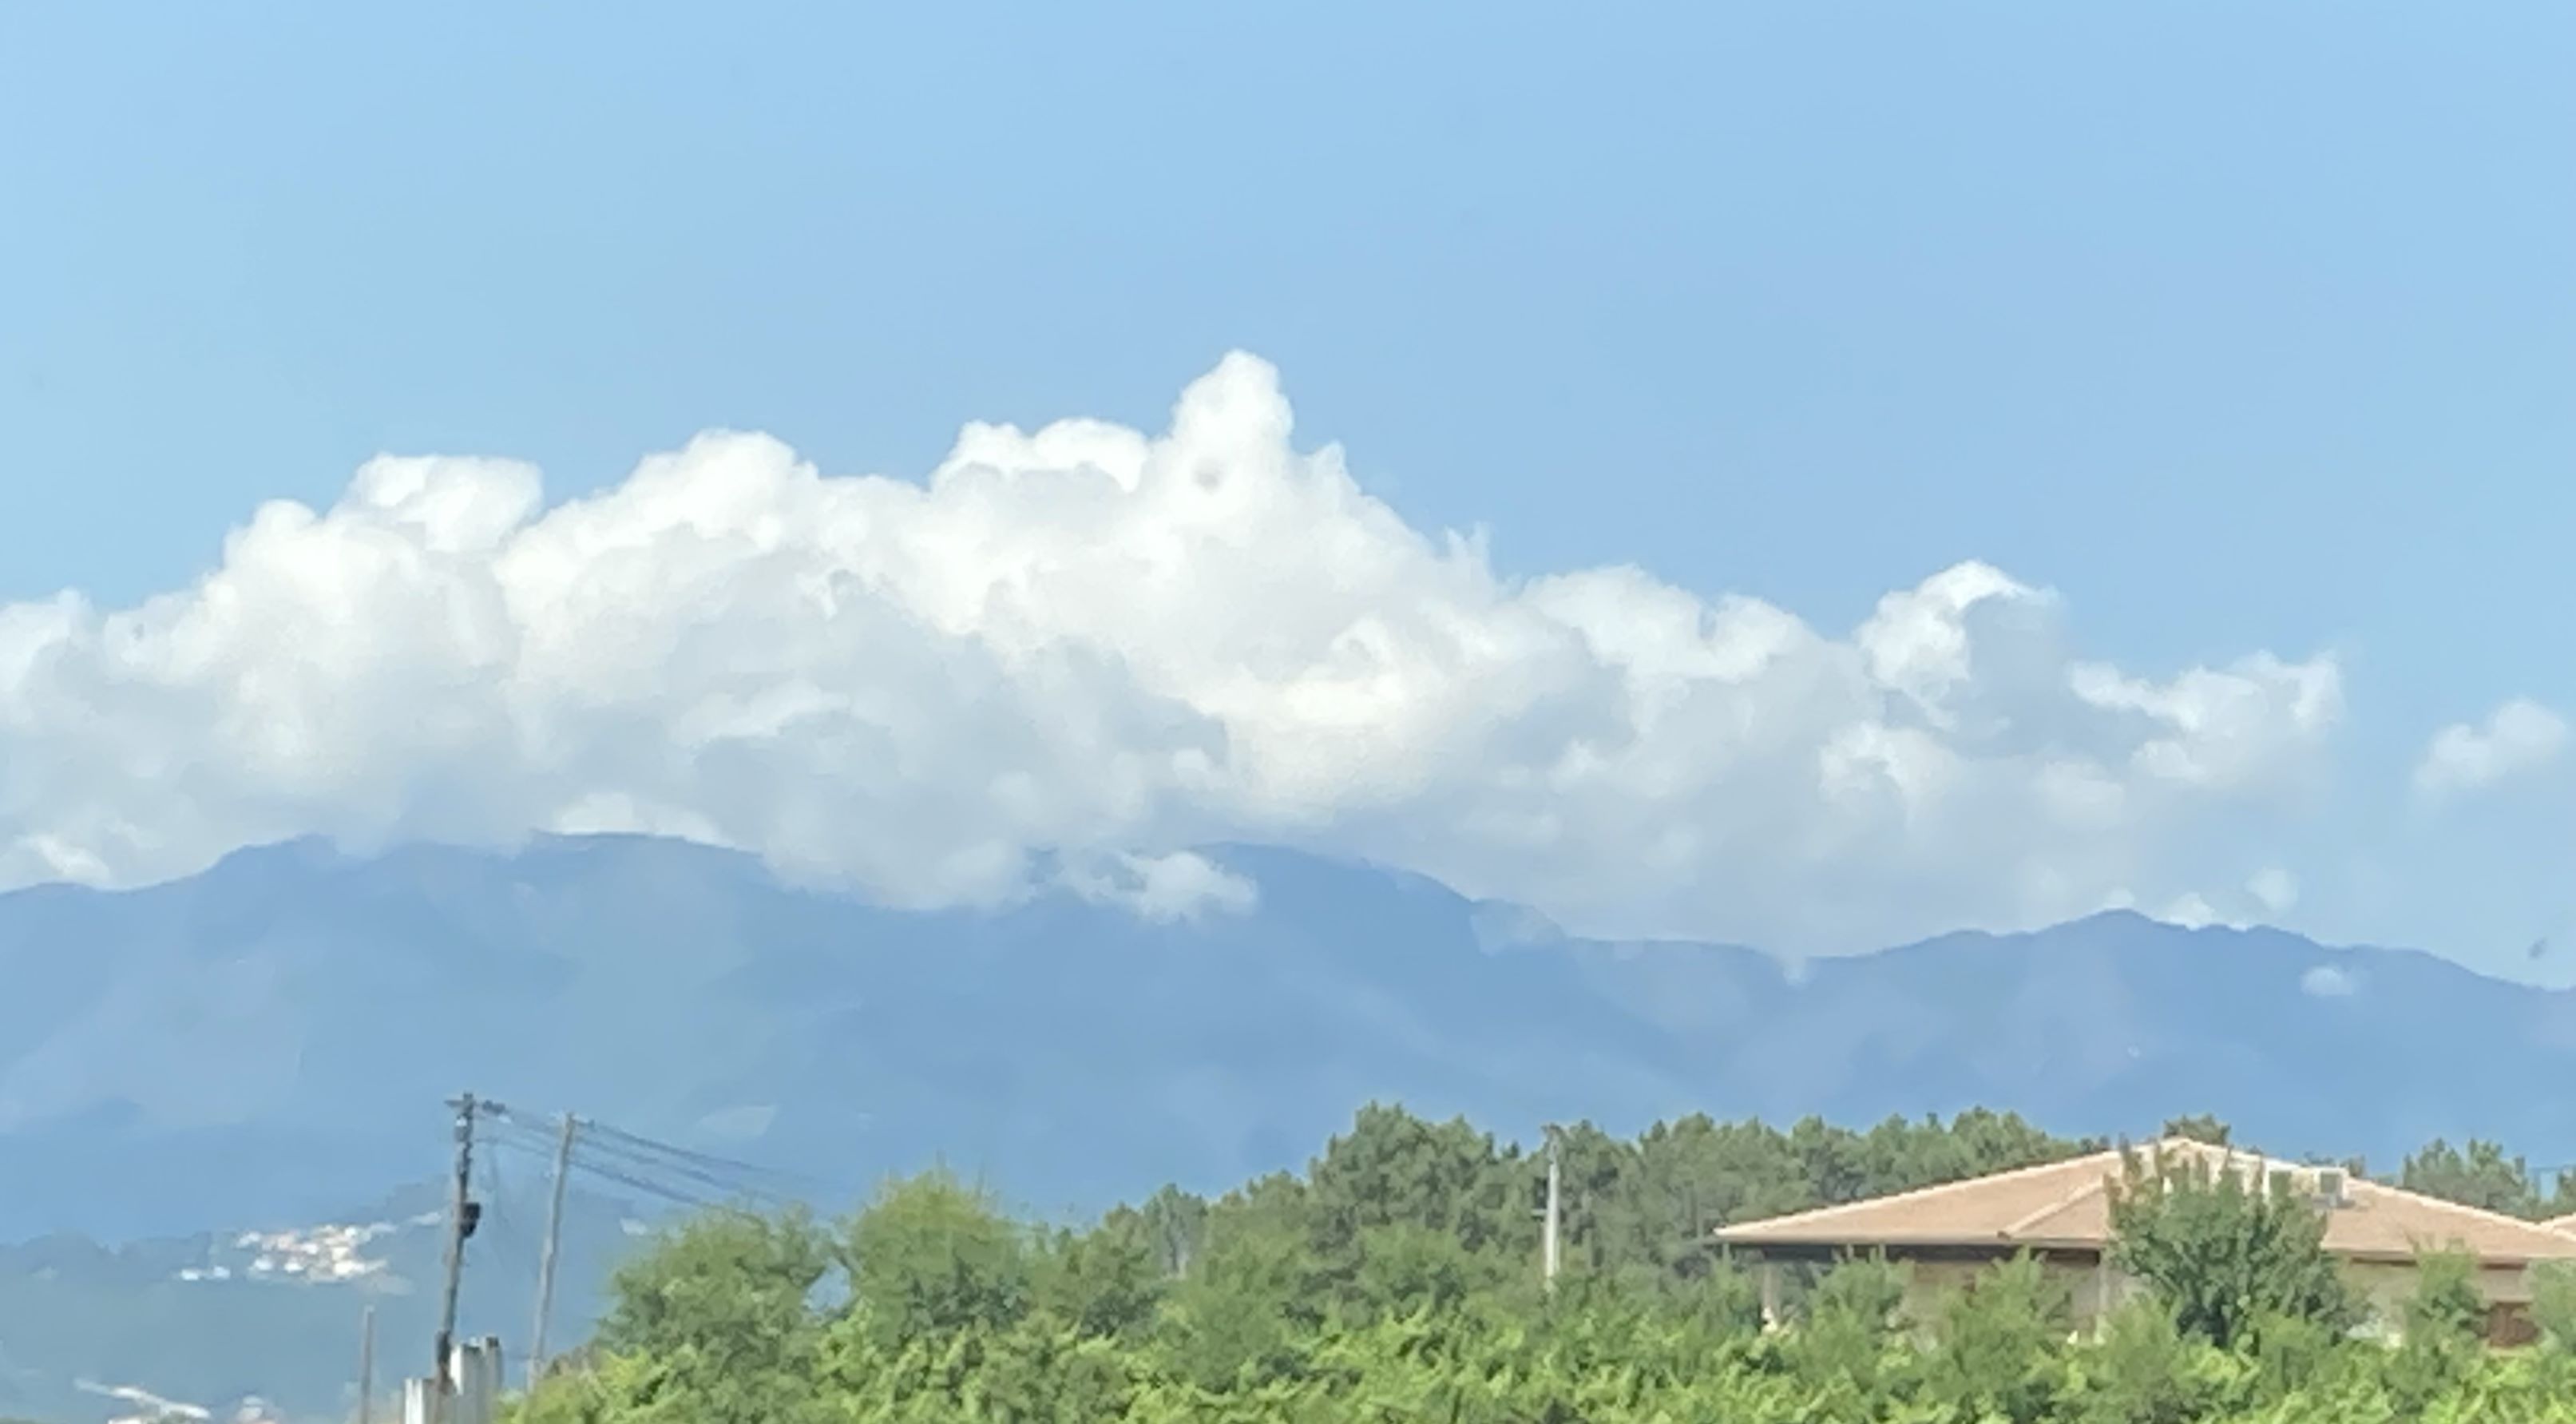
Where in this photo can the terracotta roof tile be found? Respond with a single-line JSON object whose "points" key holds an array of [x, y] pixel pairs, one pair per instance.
{"points": [[2066, 1205], [1977, 1211]]}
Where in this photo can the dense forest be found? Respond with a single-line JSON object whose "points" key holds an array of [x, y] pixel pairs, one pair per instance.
{"points": [[1397, 1279]]}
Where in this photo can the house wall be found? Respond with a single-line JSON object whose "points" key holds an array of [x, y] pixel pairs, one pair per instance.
{"points": [[1930, 1285], [2385, 1288]]}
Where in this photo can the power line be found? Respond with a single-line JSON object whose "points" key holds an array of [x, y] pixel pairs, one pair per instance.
{"points": [[497, 1217], [704, 1159], [704, 1166], [646, 1162], [639, 1153], [650, 1178], [621, 1172], [656, 1190], [516, 1141]]}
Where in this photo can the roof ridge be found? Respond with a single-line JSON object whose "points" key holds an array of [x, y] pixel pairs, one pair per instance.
{"points": [[2049, 1204], [2229, 1154], [1936, 1189], [2097, 1186], [2115, 1158], [2476, 1213]]}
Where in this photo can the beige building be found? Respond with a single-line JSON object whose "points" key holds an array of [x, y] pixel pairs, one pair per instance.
{"points": [[2061, 1215]]}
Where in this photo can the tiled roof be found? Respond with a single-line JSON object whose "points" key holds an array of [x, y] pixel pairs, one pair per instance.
{"points": [[2067, 1206]]}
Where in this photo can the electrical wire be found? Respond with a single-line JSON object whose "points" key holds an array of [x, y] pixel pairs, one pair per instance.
{"points": [[496, 1213], [659, 1191], [697, 1188], [660, 1172], [645, 1162], [708, 1160], [517, 1137], [639, 1153], [752, 1179]]}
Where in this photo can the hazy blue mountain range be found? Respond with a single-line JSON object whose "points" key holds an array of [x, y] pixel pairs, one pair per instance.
{"points": [[269, 1042], [273, 1040]]}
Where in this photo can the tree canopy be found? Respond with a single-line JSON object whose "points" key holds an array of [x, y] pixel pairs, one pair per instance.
{"points": [[1395, 1278]]}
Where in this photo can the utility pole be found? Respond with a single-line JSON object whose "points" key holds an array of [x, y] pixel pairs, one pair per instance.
{"points": [[1555, 1213], [546, 1260], [462, 1215], [367, 1366]]}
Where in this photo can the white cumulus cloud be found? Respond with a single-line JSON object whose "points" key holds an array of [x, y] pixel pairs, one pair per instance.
{"points": [[2275, 889], [1094, 646], [2517, 737], [1178, 887], [2192, 911]]}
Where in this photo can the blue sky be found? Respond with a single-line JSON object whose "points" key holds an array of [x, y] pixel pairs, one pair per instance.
{"points": [[2241, 327]]}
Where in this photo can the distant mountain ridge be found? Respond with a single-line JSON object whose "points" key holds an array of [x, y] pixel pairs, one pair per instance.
{"points": [[268, 1043], [273, 1039]]}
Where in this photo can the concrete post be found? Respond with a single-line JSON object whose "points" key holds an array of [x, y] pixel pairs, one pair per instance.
{"points": [[477, 1372]]}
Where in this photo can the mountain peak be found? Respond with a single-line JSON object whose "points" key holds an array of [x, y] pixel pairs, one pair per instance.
{"points": [[561, 974]]}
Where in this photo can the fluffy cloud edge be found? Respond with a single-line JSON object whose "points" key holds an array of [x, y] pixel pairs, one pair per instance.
{"points": [[2518, 738], [1113, 643]]}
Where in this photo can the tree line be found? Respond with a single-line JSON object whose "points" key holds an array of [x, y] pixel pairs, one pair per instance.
{"points": [[1396, 1278]]}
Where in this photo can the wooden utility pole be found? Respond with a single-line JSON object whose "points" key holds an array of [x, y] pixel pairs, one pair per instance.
{"points": [[546, 1260], [367, 1366], [461, 1215], [1555, 1211]]}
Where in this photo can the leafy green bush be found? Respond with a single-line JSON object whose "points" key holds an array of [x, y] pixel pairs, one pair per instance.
{"points": [[2224, 1258], [1999, 1351]]}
